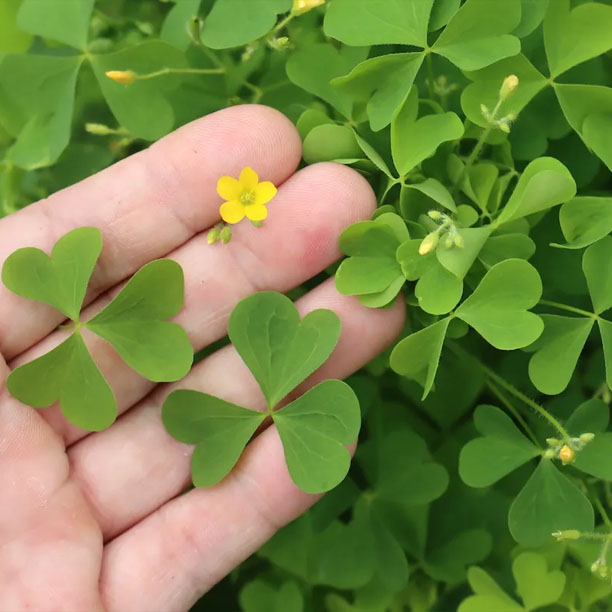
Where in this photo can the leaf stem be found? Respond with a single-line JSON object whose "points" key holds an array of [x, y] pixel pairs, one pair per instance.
{"points": [[430, 77], [585, 313], [164, 71], [515, 413]]}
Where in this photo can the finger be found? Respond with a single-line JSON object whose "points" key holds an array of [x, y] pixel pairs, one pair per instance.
{"points": [[113, 465], [199, 537], [311, 209], [146, 205]]}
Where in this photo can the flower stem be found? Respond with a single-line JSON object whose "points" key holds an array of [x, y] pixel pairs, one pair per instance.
{"points": [[164, 71], [585, 313]]}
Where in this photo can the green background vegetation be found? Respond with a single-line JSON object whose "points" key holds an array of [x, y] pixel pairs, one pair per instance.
{"points": [[450, 503]]}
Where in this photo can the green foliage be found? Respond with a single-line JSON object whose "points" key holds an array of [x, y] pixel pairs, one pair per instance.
{"points": [[134, 323], [281, 351], [493, 225]]}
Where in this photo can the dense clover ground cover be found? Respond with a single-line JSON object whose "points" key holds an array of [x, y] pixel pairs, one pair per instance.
{"points": [[482, 481]]}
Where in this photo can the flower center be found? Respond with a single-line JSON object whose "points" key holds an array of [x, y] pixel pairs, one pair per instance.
{"points": [[248, 197]]}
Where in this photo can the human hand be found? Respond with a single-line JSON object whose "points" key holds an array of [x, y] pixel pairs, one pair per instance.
{"points": [[96, 521]]}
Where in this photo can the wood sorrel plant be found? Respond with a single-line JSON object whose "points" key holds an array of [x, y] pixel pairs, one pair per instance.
{"points": [[482, 480]]}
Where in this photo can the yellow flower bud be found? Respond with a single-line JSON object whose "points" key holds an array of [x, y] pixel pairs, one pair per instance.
{"points": [[508, 86], [126, 77], [303, 6], [567, 454], [430, 242]]}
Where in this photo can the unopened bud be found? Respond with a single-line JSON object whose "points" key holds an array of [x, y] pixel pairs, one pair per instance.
{"points": [[429, 243], [225, 234], [585, 438], [567, 454], [213, 235], [449, 242], [194, 29], [126, 77], [257, 223], [99, 129], [567, 534], [436, 215], [549, 453], [458, 241], [508, 86], [282, 42], [485, 111], [303, 6]]}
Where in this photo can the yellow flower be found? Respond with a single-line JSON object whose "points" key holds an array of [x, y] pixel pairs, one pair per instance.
{"points": [[303, 6], [246, 197]]}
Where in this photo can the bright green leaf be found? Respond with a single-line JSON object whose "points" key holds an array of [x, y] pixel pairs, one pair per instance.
{"points": [[220, 430], [598, 273], [68, 374], [584, 220], [442, 12], [419, 140], [331, 143], [498, 308], [532, 14], [232, 23], [548, 502], [597, 134], [501, 450], [591, 416], [175, 29], [459, 260], [506, 246], [278, 348], [66, 21], [60, 279], [545, 183], [438, 290], [135, 323], [559, 347], [534, 583], [12, 38], [479, 33], [315, 430], [378, 22], [572, 37], [418, 355], [605, 329]]}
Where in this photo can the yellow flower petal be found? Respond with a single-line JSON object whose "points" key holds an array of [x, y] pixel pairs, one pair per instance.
{"points": [[229, 188], [256, 212], [264, 192], [232, 211], [248, 178]]}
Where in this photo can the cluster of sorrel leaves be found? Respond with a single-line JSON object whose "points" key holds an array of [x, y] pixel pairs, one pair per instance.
{"points": [[280, 350], [411, 99]]}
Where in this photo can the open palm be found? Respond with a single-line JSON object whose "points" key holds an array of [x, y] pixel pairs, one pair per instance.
{"points": [[97, 521]]}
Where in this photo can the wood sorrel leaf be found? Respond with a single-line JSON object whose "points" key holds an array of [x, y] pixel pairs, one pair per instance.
{"points": [[501, 449], [60, 279], [585, 220], [548, 502], [545, 183], [232, 23], [479, 33], [438, 290], [591, 416], [68, 374], [459, 260], [279, 349], [598, 273], [66, 21], [378, 22], [135, 323], [506, 246], [315, 430], [558, 350], [498, 308], [219, 429], [534, 583], [574, 36], [417, 356]]}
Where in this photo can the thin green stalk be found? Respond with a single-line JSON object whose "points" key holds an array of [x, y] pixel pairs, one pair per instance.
{"points": [[584, 313], [504, 384], [515, 413], [600, 508], [430, 76], [281, 24], [164, 71]]}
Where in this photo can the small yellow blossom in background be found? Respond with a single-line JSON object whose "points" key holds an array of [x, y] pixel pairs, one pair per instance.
{"points": [[303, 6], [246, 197], [126, 77]]}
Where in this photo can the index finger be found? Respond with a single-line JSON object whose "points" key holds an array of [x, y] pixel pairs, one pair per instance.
{"points": [[145, 205]]}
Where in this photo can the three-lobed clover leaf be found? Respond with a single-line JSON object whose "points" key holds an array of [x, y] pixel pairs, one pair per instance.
{"points": [[498, 309], [535, 584], [372, 271], [134, 323], [564, 337], [281, 351]]}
